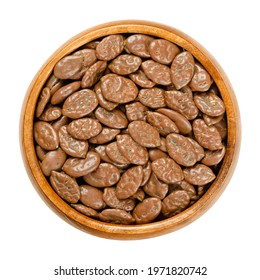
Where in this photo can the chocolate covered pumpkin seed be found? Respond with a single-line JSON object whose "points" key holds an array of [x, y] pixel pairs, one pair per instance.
{"points": [[175, 202], [200, 174], [92, 197], [117, 216], [147, 210], [207, 136], [71, 146], [182, 69], [144, 134], [209, 103], [114, 119], [158, 73], [80, 104], [110, 47], [118, 89], [84, 128], [125, 64], [45, 135], [53, 161], [163, 51], [105, 175], [167, 170], [152, 97], [129, 182], [76, 167], [180, 149], [65, 186]]}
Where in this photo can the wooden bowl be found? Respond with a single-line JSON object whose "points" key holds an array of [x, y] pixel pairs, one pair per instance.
{"points": [[115, 231]]}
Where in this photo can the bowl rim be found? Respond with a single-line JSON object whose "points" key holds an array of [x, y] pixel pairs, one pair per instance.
{"points": [[116, 231]]}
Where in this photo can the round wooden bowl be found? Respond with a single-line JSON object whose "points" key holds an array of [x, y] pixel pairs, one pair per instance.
{"points": [[115, 231]]}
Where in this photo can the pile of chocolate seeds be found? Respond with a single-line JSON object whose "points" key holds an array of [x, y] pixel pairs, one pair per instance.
{"points": [[130, 129]]}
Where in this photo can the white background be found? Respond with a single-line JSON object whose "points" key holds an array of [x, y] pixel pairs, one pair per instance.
{"points": [[33, 240]]}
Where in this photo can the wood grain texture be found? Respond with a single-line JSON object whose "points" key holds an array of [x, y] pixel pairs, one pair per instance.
{"points": [[112, 231]]}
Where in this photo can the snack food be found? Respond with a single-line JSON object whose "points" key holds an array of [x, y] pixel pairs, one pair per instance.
{"points": [[135, 130]]}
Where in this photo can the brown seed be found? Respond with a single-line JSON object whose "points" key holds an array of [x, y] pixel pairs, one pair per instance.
{"points": [[45, 135], [80, 104], [175, 202], [152, 97], [84, 128], [163, 51], [182, 122], [79, 167], [116, 216], [144, 134], [129, 182], [141, 79], [88, 56], [53, 160], [65, 186], [125, 64], [201, 80], [93, 74], [105, 175], [115, 155], [61, 94], [110, 47], [106, 135], [207, 136], [155, 187], [44, 98], [72, 146], [147, 210], [200, 174], [138, 44], [180, 149], [162, 123], [92, 197], [131, 150], [182, 69], [51, 113], [209, 104], [68, 66], [112, 201], [108, 105], [135, 111], [114, 119], [181, 102], [167, 170], [213, 157], [85, 210], [158, 73], [118, 89]]}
